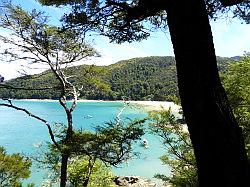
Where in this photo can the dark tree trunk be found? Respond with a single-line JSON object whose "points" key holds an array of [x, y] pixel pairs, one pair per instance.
{"points": [[65, 155], [86, 182], [216, 137], [64, 165]]}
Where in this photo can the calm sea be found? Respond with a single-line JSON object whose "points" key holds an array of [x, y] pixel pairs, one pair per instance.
{"points": [[21, 133]]}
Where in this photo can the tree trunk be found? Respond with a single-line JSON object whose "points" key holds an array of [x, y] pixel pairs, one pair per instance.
{"points": [[217, 140], [86, 182], [64, 165]]}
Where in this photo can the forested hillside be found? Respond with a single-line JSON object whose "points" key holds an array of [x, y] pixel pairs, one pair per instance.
{"points": [[148, 78]]}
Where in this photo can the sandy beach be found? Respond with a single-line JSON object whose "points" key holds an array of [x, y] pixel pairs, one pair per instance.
{"points": [[157, 105]]}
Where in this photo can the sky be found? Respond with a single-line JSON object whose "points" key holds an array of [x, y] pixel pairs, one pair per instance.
{"points": [[231, 38]]}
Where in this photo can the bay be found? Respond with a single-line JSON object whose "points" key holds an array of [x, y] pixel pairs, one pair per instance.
{"points": [[21, 133]]}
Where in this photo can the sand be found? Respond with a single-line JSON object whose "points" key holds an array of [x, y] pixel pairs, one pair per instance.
{"points": [[157, 105]]}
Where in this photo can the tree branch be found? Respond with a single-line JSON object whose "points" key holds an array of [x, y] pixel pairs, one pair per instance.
{"points": [[231, 2], [10, 105]]}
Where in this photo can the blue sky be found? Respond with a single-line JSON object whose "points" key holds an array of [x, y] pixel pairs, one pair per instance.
{"points": [[231, 38]]}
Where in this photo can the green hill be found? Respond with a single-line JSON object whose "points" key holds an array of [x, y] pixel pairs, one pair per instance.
{"points": [[147, 78]]}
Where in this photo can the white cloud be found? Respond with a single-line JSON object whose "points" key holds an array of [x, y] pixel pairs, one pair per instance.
{"points": [[8, 71], [11, 69]]}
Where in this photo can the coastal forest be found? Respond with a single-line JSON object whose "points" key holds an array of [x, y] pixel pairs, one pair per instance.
{"points": [[146, 78], [207, 146]]}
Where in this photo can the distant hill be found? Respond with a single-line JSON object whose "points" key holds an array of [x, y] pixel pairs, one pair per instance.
{"points": [[235, 58], [147, 78]]}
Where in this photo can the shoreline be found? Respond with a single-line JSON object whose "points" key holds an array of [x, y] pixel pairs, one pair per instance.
{"points": [[147, 105], [157, 105]]}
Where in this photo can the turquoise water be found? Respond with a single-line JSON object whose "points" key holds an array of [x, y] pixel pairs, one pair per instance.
{"points": [[19, 133]]}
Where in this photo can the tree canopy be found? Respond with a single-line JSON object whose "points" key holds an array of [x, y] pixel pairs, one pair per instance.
{"points": [[174, 135], [202, 95], [237, 84], [129, 21], [13, 169], [39, 43], [200, 89], [146, 78], [101, 175], [179, 151]]}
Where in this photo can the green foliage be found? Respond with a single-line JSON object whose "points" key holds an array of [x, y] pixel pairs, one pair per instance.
{"points": [[78, 170], [237, 84], [180, 156], [44, 43], [111, 144], [132, 20], [149, 78], [38, 42], [13, 169], [31, 185]]}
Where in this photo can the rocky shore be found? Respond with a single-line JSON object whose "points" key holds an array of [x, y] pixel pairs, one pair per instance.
{"points": [[133, 181]]}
